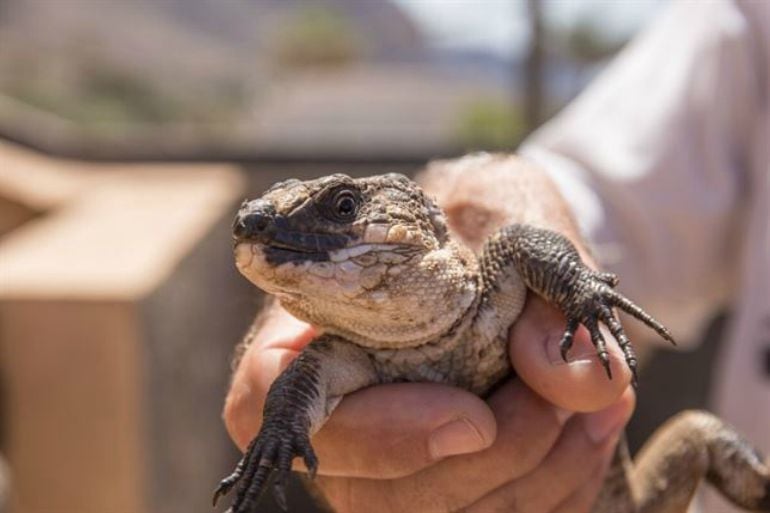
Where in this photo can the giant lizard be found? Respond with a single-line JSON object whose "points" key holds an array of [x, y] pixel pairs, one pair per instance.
{"points": [[372, 262]]}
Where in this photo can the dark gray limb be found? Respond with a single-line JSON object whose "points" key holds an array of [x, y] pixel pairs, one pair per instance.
{"points": [[297, 404], [692, 446], [285, 432], [551, 266], [616, 494]]}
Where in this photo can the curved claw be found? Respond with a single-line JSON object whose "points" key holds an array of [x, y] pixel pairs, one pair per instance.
{"points": [[601, 346], [598, 307], [566, 340], [628, 306], [311, 462], [226, 484], [605, 359], [278, 446], [551, 266], [634, 377], [279, 490], [218, 493]]}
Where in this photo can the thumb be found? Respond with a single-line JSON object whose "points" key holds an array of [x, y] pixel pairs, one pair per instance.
{"points": [[395, 430], [581, 384]]}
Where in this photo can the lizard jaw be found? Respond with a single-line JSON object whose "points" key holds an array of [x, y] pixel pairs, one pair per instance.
{"points": [[244, 255], [251, 262]]}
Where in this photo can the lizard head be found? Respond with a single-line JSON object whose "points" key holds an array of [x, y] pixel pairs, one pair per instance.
{"points": [[352, 254]]}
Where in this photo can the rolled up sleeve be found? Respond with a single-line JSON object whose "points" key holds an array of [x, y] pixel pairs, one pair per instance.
{"points": [[652, 158]]}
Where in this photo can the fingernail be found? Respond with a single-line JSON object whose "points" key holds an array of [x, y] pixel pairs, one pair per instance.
{"points": [[459, 436], [602, 424]]}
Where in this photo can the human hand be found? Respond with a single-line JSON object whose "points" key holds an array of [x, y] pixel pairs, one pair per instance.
{"points": [[419, 447]]}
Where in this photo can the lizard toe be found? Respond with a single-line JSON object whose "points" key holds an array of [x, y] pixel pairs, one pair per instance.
{"points": [[227, 484], [270, 455], [593, 303]]}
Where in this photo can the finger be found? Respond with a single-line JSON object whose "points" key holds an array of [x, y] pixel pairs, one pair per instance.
{"points": [[527, 429], [579, 385], [279, 340], [391, 431], [416, 493], [570, 465], [583, 499]]}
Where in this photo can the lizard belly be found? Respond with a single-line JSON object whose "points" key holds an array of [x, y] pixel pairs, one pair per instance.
{"points": [[469, 363]]}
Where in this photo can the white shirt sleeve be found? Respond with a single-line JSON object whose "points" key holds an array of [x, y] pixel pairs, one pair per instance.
{"points": [[652, 157]]}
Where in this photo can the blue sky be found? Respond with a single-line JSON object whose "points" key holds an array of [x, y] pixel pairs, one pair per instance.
{"points": [[500, 26]]}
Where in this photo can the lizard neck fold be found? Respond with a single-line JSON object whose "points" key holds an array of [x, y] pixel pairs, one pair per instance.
{"points": [[421, 302]]}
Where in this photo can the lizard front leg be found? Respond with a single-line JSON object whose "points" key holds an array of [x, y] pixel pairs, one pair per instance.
{"points": [[549, 264], [692, 446], [297, 405]]}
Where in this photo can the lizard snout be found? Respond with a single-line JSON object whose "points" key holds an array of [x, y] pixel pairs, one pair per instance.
{"points": [[253, 220]]}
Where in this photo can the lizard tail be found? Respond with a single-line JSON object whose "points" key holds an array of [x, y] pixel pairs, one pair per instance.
{"points": [[616, 495]]}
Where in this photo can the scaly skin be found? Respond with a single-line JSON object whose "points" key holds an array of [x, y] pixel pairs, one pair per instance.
{"points": [[370, 261]]}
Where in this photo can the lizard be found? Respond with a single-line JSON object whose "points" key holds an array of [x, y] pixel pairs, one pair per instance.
{"points": [[373, 264]]}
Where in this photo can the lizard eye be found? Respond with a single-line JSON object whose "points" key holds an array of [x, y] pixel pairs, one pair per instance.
{"points": [[345, 205]]}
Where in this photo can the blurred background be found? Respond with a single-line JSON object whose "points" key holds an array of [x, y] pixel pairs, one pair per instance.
{"points": [[246, 79], [130, 129]]}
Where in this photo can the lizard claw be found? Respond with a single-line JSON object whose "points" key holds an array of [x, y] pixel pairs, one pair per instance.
{"points": [[271, 452], [221, 490], [566, 340], [279, 489], [226, 484], [550, 265], [596, 306], [311, 462]]}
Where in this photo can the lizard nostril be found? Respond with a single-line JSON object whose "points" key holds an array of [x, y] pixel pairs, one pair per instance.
{"points": [[253, 220], [259, 222], [253, 223]]}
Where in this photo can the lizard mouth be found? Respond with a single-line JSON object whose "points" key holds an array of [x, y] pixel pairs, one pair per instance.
{"points": [[280, 253], [277, 252], [284, 246]]}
